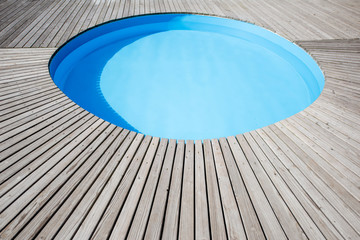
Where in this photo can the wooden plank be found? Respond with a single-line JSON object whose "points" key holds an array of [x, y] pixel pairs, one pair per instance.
{"points": [[15, 153], [95, 200], [140, 7], [33, 102], [125, 217], [106, 13], [103, 213], [127, 9], [217, 223], [20, 25], [112, 10], [22, 74], [13, 73], [78, 22], [13, 80], [329, 25], [26, 68], [20, 142], [172, 5], [86, 22], [62, 186], [338, 111], [329, 141], [64, 18], [338, 183], [331, 131], [202, 225], [40, 115], [89, 189], [9, 13], [264, 14], [150, 7], [171, 220], [21, 112], [344, 168], [300, 216], [331, 204], [154, 229], [336, 100], [268, 219], [13, 201], [21, 105], [119, 10], [115, 206], [234, 225], [42, 154], [22, 63], [250, 220], [45, 31], [140, 220], [74, 24], [341, 127], [308, 162], [18, 85], [187, 208], [65, 28], [6, 161], [41, 19], [300, 186], [7, 99], [132, 7], [99, 9]]}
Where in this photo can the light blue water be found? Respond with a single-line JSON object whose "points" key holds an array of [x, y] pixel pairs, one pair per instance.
{"points": [[186, 76]]}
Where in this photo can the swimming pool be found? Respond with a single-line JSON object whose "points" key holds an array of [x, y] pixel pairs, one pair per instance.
{"points": [[186, 76]]}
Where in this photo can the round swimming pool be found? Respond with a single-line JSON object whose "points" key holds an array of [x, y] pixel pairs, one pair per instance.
{"points": [[186, 76]]}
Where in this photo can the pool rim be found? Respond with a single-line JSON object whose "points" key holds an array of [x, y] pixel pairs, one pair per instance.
{"points": [[195, 14], [190, 13]]}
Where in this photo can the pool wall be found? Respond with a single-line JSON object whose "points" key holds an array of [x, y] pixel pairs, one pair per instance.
{"points": [[138, 26]]}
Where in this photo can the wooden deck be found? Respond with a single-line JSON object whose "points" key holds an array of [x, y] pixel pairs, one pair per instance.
{"points": [[68, 174]]}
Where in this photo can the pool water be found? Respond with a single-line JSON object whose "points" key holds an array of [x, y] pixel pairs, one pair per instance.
{"points": [[186, 76]]}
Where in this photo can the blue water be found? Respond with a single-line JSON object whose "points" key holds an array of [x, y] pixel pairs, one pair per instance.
{"points": [[186, 76]]}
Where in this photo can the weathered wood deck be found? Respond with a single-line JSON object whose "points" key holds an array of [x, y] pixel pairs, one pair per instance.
{"points": [[68, 174]]}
